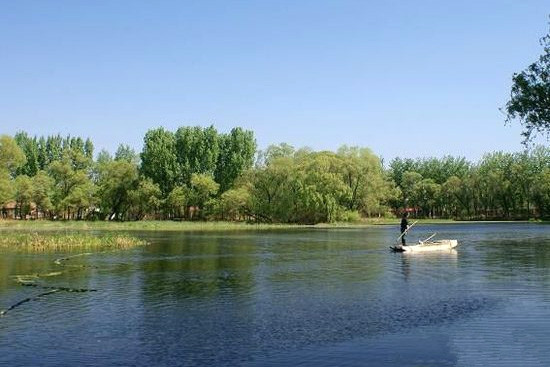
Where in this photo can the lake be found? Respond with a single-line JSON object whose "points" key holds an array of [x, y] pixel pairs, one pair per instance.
{"points": [[306, 297]]}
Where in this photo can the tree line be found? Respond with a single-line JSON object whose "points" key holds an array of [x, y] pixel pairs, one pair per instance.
{"points": [[197, 173]]}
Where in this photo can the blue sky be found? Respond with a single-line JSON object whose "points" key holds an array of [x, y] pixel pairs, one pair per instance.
{"points": [[405, 78]]}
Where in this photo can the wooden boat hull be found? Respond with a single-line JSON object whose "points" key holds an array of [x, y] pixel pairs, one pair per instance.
{"points": [[439, 245]]}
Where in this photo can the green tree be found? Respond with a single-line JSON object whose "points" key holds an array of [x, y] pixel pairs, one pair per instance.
{"points": [[176, 202], [54, 149], [410, 189], [116, 180], [89, 149], [125, 153], [30, 147], [362, 172], [62, 173], [530, 96], [82, 195], [235, 204], [541, 192], [197, 151], [158, 159], [203, 188], [7, 190], [427, 194], [11, 155], [42, 193], [236, 155], [145, 199], [23, 195]]}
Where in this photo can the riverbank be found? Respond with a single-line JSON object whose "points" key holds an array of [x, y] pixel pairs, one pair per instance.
{"points": [[46, 225]]}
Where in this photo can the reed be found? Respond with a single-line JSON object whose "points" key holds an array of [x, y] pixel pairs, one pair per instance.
{"points": [[40, 242]]}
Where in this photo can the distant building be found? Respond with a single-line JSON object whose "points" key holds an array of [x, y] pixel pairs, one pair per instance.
{"points": [[10, 211]]}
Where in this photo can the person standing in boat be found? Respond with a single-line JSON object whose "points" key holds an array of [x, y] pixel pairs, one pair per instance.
{"points": [[404, 227]]}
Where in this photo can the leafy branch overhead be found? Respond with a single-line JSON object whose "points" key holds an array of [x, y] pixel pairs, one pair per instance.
{"points": [[530, 96]]}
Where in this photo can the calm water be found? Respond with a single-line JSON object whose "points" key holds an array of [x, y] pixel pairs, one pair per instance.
{"points": [[305, 297]]}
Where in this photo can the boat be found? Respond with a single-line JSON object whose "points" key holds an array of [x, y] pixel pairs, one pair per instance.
{"points": [[425, 246]]}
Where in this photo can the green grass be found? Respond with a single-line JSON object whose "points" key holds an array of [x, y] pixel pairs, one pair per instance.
{"points": [[45, 225], [39, 242]]}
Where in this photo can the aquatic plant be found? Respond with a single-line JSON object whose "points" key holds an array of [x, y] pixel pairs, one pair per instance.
{"points": [[37, 242]]}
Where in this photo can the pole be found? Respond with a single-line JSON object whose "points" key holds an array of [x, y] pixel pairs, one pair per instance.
{"points": [[405, 231]]}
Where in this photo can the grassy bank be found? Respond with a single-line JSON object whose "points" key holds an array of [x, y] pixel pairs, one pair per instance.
{"points": [[45, 225], [35, 242]]}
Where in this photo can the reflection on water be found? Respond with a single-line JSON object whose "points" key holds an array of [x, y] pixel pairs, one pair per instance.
{"points": [[311, 297]]}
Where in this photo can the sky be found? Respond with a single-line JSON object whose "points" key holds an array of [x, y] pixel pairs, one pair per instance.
{"points": [[404, 78]]}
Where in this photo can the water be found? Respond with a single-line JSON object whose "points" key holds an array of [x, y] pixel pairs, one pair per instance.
{"points": [[315, 297]]}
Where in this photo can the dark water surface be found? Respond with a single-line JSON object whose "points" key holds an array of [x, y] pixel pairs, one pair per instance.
{"points": [[314, 297]]}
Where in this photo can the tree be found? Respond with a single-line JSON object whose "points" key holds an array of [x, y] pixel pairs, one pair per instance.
{"points": [[235, 203], [81, 196], [6, 187], [427, 193], [197, 151], [145, 199], [176, 202], [42, 192], [30, 147], [530, 96], [11, 155], [273, 152], [158, 159], [236, 155], [116, 180], [362, 172], [23, 195], [62, 173], [410, 188], [203, 188], [89, 149], [125, 153], [541, 192]]}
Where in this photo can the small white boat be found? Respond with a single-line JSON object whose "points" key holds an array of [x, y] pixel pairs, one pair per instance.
{"points": [[425, 246]]}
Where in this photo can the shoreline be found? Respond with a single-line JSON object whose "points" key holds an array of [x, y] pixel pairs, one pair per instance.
{"points": [[144, 226]]}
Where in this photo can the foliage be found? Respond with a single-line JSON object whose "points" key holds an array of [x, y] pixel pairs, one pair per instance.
{"points": [[177, 202], [23, 195], [236, 155], [311, 187], [6, 187], [500, 186], [11, 155], [197, 151], [530, 95], [42, 191], [146, 198], [158, 159], [202, 189], [116, 180], [198, 173]]}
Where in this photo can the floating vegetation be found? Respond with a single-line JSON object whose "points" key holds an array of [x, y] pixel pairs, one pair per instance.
{"points": [[39, 242], [33, 280]]}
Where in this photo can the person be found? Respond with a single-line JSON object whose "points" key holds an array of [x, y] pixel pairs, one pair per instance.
{"points": [[404, 227]]}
